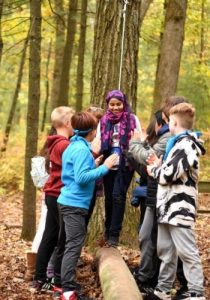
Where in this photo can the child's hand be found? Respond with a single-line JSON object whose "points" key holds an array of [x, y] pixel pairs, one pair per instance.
{"points": [[136, 135], [152, 159], [111, 161], [98, 160], [96, 145], [149, 168]]}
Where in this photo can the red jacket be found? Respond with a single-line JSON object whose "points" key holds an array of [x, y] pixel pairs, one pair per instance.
{"points": [[56, 146]]}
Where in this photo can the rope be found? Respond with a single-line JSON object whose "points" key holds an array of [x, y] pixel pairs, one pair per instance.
{"points": [[122, 41]]}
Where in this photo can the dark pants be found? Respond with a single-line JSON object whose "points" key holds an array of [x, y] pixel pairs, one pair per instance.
{"points": [[59, 251], [49, 239], [116, 184], [150, 263], [75, 227]]}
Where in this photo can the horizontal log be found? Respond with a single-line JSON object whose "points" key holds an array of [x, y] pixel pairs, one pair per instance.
{"points": [[116, 280]]}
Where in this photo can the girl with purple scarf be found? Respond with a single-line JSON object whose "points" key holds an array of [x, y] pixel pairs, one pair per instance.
{"points": [[115, 130]]}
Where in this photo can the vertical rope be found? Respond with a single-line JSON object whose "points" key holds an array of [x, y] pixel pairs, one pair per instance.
{"points": [[122, 41]]}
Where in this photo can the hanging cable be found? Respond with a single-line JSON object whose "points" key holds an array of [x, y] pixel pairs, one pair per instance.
{"points": [[122, 41]]}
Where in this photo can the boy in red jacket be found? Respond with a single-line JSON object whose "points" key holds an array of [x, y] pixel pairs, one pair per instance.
{"points": [[61, 121]]}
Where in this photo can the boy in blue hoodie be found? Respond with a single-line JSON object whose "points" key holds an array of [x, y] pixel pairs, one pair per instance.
{"points": [[79, 173]]}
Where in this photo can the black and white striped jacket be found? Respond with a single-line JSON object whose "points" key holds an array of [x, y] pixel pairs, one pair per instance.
{"points": [[177, 178]]}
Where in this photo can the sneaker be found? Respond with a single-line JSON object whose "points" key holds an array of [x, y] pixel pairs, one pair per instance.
{"points": [[185, 295], [38, 286], [197, 296], [189, 296], [74, 296], [57, 293], [113, 241], [162, 295]]}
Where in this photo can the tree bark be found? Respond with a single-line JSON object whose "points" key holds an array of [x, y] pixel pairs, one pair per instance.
{"points": [[170, 51], [47, 88], [81, 54], [59, 49], [29, 199], [15, 97], [115, 277], [1, 40], [67, 57], [106, 52], [202, 45]]}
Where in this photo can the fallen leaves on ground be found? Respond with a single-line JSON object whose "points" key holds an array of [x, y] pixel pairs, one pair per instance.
{"points": [[13, 249]]}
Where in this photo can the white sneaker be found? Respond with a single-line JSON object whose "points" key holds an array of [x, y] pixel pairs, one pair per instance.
{"points": [[197, 296], [162, 295]]}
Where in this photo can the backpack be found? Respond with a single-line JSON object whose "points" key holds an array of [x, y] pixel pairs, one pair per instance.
{"points": [[38, 172]]}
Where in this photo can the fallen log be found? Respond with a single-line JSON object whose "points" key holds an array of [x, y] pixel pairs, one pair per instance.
{"points": [[116, 280]]}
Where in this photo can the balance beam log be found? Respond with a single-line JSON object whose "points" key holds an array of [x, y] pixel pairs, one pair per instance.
{"points": [[116, 280]]}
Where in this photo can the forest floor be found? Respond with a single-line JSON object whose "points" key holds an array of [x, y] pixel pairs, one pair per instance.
{"points": [[13, 249]]}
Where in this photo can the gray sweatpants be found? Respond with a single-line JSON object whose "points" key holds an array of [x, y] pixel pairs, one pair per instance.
{"points": [[176, 241]]}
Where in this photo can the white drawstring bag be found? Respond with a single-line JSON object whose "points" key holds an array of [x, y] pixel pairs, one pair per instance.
{"points": [[38, 172]]}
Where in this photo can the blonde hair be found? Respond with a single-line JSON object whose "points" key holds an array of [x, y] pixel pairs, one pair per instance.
{"points": [[60, 115], [185, 113]]}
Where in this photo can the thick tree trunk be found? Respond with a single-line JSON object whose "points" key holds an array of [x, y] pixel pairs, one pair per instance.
{"points": [[170, 51], [1, 40], [59, 49], [81, 54], [107, 46], [115, 277], [29, 199], [15, 98], [67, 57], [47, 88]]}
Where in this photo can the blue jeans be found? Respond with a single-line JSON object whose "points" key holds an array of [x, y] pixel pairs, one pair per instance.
{"points": [[116, 184]]}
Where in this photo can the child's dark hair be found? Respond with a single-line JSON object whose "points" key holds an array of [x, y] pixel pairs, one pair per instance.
{"points": [[172, 101], [83, 122], [151, 134], [159, 118]]}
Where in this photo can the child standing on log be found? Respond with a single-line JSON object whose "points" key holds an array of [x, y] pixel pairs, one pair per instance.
{"points": [[115, 130], [177, 200], [79, 173]]}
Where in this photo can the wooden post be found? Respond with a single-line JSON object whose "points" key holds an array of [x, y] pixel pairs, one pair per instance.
{"points": [[116, 280]]}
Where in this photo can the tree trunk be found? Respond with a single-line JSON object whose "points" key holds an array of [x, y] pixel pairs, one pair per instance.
{"points": [[202, 45], [81, 54], [46, 88], [29, 199], [170, 51], [67, 57], [107, 46], [1, 40], [115, 277], [59, 49], [15, 97], [144, 8]]}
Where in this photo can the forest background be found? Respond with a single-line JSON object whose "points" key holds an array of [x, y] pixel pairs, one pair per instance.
{"points": [[68, 53]]}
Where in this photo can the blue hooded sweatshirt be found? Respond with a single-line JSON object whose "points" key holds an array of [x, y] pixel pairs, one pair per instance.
{"points": [[79, 174]]}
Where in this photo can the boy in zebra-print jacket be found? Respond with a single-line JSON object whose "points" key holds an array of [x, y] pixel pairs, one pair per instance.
{"points": [[177, 198]]}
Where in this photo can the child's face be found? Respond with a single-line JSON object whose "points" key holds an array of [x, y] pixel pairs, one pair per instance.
{"points": [[115, 105], [157, 127], [69, 128], [172, 124]]}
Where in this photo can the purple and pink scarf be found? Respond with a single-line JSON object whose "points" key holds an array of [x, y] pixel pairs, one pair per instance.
{"points": [[125, 118]]}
